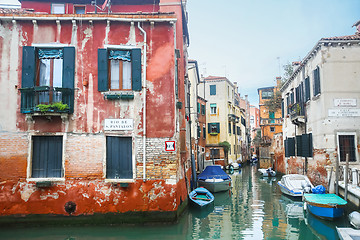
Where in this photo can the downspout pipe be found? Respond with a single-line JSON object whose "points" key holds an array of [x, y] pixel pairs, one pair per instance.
{"points": [[144, 96]]}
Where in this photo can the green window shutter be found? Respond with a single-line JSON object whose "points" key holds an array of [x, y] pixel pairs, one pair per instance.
{"points": [[209, 127], [299, 148], [307, 144], [282, 109], [136, 69], [103, 70], [307, 89], [286, 146], [28, 67], [212, 89], [68, 80], [198, 107], [69, 67], [291, 146], [218, 127]]}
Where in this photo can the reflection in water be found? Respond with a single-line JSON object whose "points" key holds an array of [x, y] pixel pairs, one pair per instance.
{"points": [[253, 209]]}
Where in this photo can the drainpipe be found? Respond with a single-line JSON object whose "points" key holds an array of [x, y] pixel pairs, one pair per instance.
{"points": [[144, 111]]}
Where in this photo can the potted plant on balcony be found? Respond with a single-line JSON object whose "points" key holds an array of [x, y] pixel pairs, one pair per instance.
{"points": [[54, 107]]}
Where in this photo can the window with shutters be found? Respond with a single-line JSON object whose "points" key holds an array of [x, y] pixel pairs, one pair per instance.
{"points": [[47, 79], [316, 83], [213, 109], [213, 128], [47, 157], [119, 70], [347, 146], [307, 89], [204, 132], [202, 109], [212, 89], [119, 158]]}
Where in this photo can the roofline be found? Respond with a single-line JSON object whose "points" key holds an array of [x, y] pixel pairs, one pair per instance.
{"points": [[265, 88], [313, 52], [220, 79]]}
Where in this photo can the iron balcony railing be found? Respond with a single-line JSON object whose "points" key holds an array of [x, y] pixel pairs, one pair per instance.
{"points": [[32, 97], [271, 121], [297, 110]]}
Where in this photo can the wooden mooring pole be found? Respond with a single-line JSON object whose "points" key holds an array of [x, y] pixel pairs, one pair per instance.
{"points": [[337, 176], [346, 175]]}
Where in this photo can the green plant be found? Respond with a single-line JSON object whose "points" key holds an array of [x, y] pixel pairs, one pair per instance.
{"points": [[55, 106]]}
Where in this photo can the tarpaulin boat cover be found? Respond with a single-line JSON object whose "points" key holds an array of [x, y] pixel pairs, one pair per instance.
{"points": [[211, 172]]}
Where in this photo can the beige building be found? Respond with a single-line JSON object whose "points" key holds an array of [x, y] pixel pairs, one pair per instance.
{"points": [[225, 120], [321, 108]]}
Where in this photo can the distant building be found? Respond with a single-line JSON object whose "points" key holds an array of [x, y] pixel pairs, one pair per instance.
{"points": [[224, 120], [254, 128], [321, 108], [270, 123]]}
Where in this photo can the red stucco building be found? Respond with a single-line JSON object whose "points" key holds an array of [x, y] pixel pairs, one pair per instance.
{"points": [[94, 102]]}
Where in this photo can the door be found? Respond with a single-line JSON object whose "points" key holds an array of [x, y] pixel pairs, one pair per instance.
{"points": [[119, 158]]}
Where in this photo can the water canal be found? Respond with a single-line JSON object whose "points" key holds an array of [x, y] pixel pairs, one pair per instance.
{"points": [[254, 209]]}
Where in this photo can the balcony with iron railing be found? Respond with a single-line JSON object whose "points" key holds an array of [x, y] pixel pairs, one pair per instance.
{"points": [[47, 100], [270, 121], [297, 113]]}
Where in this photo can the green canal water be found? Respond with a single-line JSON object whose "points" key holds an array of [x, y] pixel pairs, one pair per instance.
{"points": [[253, 209]]}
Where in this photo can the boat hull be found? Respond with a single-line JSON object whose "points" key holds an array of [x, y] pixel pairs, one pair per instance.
{"points": [[326, 212], [201, 197], [215, 185], [267, 173], [327, 206], [289, 192]]}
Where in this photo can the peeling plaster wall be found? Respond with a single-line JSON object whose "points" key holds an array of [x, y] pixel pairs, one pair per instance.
{"points": [[84, 146]]}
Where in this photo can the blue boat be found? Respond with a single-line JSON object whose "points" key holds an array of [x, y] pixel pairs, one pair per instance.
{"points": [[214, 179], [326, 206], [201, 197]]}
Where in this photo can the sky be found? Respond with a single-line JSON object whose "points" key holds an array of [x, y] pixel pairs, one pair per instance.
{"points": [[249, 41]]}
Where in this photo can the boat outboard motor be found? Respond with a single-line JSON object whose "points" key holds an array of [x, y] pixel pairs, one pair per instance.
{"points": [[305, 186]]}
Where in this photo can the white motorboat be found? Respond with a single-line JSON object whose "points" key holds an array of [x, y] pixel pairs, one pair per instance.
{"points": [[295, 185], [269, 172], [214, 179]]}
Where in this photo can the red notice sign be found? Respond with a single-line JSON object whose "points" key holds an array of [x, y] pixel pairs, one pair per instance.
{"points": [[170, 146]]}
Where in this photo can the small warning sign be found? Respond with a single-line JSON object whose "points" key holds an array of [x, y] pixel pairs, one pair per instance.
{"points": [[170, 146]]}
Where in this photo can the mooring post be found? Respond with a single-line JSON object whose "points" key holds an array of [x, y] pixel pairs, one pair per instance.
{"points": [[346, 175], [337, 176]]}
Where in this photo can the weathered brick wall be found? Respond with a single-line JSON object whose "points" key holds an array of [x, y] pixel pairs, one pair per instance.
{"points": [[84, 155], [13, 155], [160, 164]]}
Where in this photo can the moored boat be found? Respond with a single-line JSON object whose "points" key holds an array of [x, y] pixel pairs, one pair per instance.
{"points": [[214, 179], [295, 185], [327, 206], [269, 172], [201, 197]]}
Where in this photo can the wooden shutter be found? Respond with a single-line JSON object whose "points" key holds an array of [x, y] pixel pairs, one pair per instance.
{"points": [[103, 77], [68, 80], [307, 89], [307, 145], [299, 148], [282, 109], [209, 127], [119, 158], [136, 69], [212, 89], [291, 146], [286, 146], [28, 67], [218, 127], [47, 157]]}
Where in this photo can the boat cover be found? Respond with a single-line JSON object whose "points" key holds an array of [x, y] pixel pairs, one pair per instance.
{"points": [[213, 172], [328, 199]]}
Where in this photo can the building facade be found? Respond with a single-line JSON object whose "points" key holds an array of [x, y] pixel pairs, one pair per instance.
{"points": [[223, 118], [321, 109], [83, 93]]}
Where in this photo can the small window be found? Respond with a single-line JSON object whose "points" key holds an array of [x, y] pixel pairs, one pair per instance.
{"points": [[204, 132], [272, 129], [58, 8], [238, 130], [215, 153], [212, 89], [213, 108], [202, 109], [198, 108], [316, 75], [79, 9], [47, 157], [213, 128], [347, 146], [307, 89], [119, 69], [267, 94], [119, 158]]}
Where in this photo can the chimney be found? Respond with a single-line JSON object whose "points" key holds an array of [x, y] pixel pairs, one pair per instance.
{"points": [[278, 81]]}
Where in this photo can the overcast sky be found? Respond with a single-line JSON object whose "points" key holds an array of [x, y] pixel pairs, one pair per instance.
{"points": [[249, 41]]}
